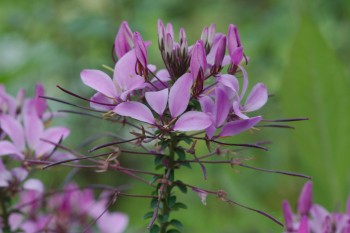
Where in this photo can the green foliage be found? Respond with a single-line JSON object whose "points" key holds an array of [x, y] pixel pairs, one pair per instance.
{"points": [[315, 86]]}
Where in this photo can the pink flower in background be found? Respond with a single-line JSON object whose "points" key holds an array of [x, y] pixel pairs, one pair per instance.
{"points": [[313, 218]]}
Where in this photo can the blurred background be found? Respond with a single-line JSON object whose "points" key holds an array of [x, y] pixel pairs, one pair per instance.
{"points": [[300, 49]]}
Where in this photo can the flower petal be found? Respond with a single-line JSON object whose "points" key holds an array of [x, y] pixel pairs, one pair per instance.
{"points": [[140, 50], [124, 40], [7, 148], [222, 106], [101, 98], [193, 120], [305, 199], [125, 71], [40, 103], [180, 94], [288, 216], [256, 99], [235, 127], [34, 184], [136, 111], [158, 100], [33, 125], [53, 134], [207, 104], [237, 110], [14, 130], [99, 81], [229, 81], [112, 222], [304, 226], [198, 60]]}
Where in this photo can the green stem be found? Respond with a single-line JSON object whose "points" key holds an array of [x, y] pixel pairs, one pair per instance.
{"points": [[166, 210]]}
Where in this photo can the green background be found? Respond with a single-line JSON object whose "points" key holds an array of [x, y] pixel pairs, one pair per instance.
{"points": [[300, 49]]}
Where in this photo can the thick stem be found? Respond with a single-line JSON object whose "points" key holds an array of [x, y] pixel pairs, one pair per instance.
{"points": [[166, 210]]}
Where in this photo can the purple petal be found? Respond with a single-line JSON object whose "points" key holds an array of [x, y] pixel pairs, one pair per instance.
{"points": [[112, 222], [157, 100], [191, 121], [257, 98], [198, 60], [7, 148], [101, 98], [125, 72], [348, 206], [217, 51], [245, 82], [140, 49], [222, 106], [235, 127], [305, 199], [163, 75], [180, 94], [124, 40], [34, 184], [33, 125], [288, 216], [40, 103], [169, 29], [210, 131], [19, 173], [161, 31], [236, 56], [229, 81], [234, 45], [237, 110], [53, 134], [136, 111], [168, 44], [207, 104], [304, 226], [14, 130], [99, 81], [5, 176]]}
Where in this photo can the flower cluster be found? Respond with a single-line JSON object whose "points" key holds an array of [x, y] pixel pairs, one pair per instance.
{"points": [[313, 218], [192, 93], [25, 137]]}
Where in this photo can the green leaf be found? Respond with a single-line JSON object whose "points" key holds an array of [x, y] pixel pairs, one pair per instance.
{"points": [[154, 229], [176, 223], [171, 201], [148, 215], [179, 205], [158, 160], [154, 203], [181, 186], [315, 86], [173, 231], [163, 218], [181, 153]]}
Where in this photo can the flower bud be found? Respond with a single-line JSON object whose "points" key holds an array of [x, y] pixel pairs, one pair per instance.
{"points": [[234, 45], [305, 199], [124, 40]]}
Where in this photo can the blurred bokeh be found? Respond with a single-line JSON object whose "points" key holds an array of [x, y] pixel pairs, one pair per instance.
{"points": [[300, 49]]}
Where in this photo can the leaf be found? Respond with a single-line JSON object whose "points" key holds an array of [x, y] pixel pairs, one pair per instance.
{"points": [[179, 205], [148, 215], [171, 201], [173, 231], [176, 223], [154, 229], [315, 86]]}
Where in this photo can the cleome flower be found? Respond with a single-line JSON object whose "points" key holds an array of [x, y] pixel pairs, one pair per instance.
{"points": [[313, 218], [26, 130]]}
